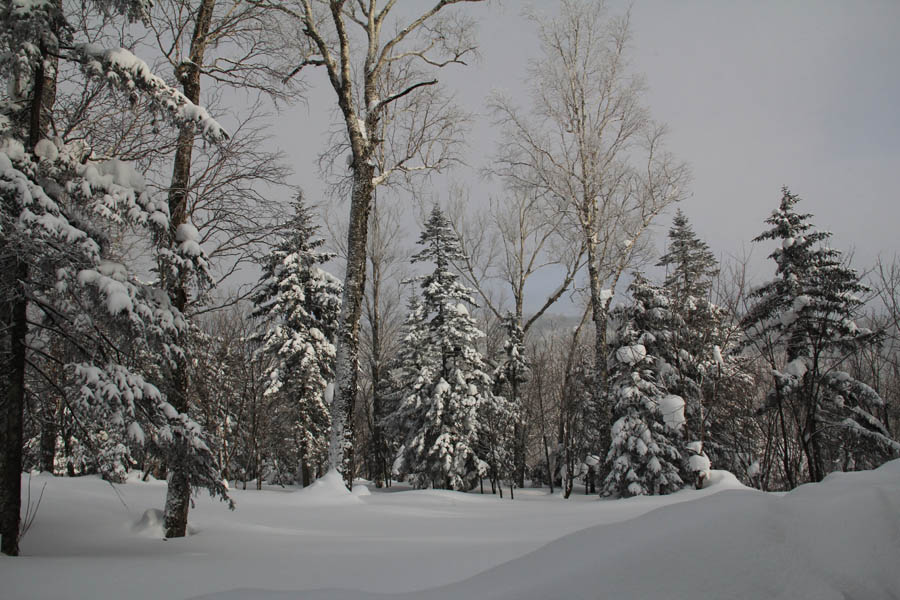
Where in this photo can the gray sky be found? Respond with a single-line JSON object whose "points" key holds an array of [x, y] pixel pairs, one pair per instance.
{"points": [[756, 95]]}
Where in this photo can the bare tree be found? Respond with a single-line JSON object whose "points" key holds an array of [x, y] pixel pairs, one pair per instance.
{"points": [[515, 238], [395, 124], [590, 146]]}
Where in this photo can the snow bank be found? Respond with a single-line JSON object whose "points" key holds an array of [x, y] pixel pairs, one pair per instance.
{"points": [[830, 541], [328, 491], [836, 539]]}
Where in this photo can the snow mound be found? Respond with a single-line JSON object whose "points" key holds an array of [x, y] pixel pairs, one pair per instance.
{"points": [[361, 491], [328, 490], [151, 524]]}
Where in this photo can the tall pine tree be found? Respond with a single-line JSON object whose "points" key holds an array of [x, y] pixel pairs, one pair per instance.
{"points": [[300, 304], [703, 354], [645, 455], [58, 203], [446, 381], [803, 322]]}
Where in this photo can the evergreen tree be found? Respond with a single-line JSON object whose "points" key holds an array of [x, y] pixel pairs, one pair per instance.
{"points": [[444, 383], [58, 276], [690, 265], [300, 304], [804, 324], [702, 355], [644, 455]]}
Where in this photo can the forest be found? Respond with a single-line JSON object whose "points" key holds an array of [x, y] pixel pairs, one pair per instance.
{"points": [[175, 308]]}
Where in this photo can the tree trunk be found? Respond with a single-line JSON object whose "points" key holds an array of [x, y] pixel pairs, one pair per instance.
{"points": [[14, 275], [179, 489], [15, 325], [49, 431], [347, 360]]}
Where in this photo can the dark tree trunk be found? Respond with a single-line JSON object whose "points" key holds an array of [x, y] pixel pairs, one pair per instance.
{"points": [[179, 488], [49, 431], [14, 274]]}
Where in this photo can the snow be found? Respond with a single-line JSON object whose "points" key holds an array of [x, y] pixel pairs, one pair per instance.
{"points": [[796, 367], [126, 71], [699, 463], [717, 356], [672, 409], [46, 149], [631, 354], [188, 239], [836, 539]]}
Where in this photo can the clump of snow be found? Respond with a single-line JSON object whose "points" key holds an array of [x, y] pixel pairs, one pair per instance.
{"points": [[114, 291], [12, 148], [796, 367], [672, 409], [699, 463], [151, 524], [46, 149], [717, 356], [123, 174], [631, 354], [188, 239]]}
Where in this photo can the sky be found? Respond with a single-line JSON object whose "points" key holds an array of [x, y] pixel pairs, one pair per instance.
{"points": [[756, 95]]}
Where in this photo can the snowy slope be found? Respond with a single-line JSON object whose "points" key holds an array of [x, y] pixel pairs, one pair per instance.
{"points": [[837, 539]]}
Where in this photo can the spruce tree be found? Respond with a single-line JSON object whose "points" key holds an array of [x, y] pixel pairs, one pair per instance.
{"points": [[803, 322], [446, 380], [703, 353], [300, 304], [690, 265], [645, 454]]}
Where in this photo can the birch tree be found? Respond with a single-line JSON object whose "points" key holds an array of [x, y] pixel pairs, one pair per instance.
{"points": [[396, 123], [589, 144]]}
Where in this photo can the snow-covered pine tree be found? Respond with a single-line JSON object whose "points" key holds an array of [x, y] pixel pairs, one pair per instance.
{"points": [[438, 415], [56, 204], [703, 350], [300, 304], [803, 323], [645, 452], [403, 375]]}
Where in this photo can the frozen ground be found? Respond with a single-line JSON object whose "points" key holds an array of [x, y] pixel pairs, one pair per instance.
{"points": [[839, 539]]}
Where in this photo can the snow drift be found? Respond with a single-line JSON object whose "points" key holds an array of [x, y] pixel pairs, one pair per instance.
{"points": [[836, 539], [839, 539]]}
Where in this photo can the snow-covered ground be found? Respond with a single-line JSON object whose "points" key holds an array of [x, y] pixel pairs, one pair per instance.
{"points": [[836, 539]]}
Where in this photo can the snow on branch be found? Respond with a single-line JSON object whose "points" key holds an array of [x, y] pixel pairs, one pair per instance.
{"points": [[127, 72]]}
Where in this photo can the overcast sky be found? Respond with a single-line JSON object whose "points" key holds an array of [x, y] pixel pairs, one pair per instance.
{"points": [[756, 95]]}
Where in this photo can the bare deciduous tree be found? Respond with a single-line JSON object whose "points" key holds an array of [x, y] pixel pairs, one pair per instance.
{"points": [[589, 144], [518, 236]]}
